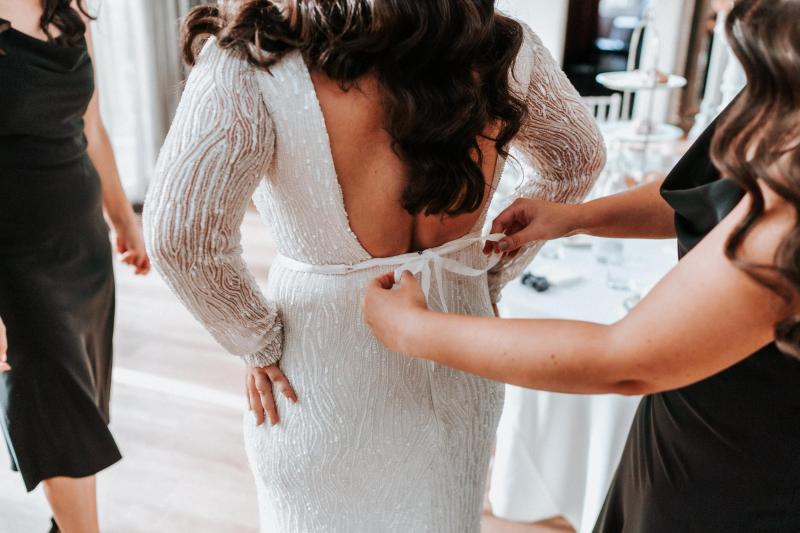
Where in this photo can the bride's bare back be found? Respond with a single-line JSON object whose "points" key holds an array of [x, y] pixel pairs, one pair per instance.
{"points": [[373, 178]]}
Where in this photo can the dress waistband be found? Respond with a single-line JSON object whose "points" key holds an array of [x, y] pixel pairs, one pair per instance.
{"points": [[427, 263]]}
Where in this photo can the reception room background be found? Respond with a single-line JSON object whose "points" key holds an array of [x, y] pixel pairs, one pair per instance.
{"points": [[178, 399]]}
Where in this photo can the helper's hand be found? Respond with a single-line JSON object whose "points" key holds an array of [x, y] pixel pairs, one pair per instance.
{"points": [[390, 311], [529, 220]]}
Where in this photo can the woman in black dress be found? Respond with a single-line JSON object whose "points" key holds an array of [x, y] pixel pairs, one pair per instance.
{"points": [[715, 444], [57, 172]]}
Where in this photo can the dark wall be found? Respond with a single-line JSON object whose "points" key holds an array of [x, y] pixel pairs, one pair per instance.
{"points": [[582, 30]]}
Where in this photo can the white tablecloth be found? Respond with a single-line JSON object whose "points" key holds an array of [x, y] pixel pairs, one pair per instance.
{"points": [[557, 453]]}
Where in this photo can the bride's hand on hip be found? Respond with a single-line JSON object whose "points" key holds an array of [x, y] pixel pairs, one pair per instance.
{"points": [[391, 310], [529, 220], [261, 384]]}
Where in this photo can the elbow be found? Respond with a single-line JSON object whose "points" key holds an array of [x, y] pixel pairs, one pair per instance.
{"points": [[630, 371], [166, 252], [631, 387], [600, 159], [95, 134], [597, 160], [170, 257], [179, 251], [595, 153], [586, 165], [164, 255]]}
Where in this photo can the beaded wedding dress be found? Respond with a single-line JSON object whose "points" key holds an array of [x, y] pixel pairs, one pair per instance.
{"points": [[378, 442]]}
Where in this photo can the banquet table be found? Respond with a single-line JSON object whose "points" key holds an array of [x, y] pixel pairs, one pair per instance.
{"points": [[556, 453]]}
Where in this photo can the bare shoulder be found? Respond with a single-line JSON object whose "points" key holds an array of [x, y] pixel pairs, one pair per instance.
{"points": [[761, 237], [85, 9], [769, 232], [23, 16]]}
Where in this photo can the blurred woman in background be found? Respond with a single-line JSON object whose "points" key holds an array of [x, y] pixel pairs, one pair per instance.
{"points": [[715, 445], [57, 173]]}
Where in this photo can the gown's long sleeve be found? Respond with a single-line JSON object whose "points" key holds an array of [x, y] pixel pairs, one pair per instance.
{"points": [[215, 154], [559, 147]]}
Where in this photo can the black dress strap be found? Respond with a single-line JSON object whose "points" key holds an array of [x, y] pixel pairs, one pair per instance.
{"points": [[700, 196]]}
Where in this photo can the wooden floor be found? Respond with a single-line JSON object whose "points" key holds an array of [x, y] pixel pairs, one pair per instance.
{"points": [[177, 412]]}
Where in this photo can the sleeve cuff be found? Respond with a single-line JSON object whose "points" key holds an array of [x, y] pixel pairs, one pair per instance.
{"points": [[269, 354]]}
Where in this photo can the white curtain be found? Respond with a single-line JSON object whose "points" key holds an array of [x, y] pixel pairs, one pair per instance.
{"points": [[139, 78], [548, 18], [725, 79]]}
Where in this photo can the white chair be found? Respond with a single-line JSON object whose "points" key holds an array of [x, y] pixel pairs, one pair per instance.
{"points": [[605, 109]]}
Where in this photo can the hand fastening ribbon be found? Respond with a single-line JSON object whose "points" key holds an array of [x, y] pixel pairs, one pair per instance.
{"points": [[428, 264], [433, 263]]}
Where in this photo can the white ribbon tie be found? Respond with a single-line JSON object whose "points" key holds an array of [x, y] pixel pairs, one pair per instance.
{"points": [[428, 264]]}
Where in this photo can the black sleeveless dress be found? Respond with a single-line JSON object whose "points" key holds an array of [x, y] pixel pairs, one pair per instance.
{"points": [[722, 455], [56, 277]]}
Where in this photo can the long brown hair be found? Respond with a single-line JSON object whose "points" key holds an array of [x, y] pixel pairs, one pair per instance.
{"points": [[61, 15], [442, 67], [762, 129]]}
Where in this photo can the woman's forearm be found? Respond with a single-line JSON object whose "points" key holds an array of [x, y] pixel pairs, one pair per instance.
{"points": [[554, 355], [704, 316], [638, 213], [100, 151], [115, 201]]}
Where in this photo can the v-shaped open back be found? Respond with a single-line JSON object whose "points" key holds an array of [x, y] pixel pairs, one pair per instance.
{"points": [[318, 116]]}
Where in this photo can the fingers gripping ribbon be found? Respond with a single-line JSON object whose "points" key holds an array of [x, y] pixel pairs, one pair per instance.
{"points": [[428, 264], [433, 262]]}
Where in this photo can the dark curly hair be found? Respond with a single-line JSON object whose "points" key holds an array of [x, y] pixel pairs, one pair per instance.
{"points": [[442, 67], [761, 129], [61, 15]]}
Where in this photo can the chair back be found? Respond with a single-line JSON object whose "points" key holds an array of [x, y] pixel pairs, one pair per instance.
{"points": [[604, 109]]}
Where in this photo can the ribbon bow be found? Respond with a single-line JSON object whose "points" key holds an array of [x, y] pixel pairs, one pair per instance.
{"points": [[432, 263]]}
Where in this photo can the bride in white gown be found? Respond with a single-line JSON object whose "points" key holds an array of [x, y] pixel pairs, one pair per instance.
{"points": [[377, 442]]}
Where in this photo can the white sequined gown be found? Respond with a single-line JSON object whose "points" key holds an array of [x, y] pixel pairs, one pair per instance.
{"points": [[379, 442]]}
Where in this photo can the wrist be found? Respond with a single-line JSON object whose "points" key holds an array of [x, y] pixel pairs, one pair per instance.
{"points": [[410, 332], [578, 223], [121, 216]]}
